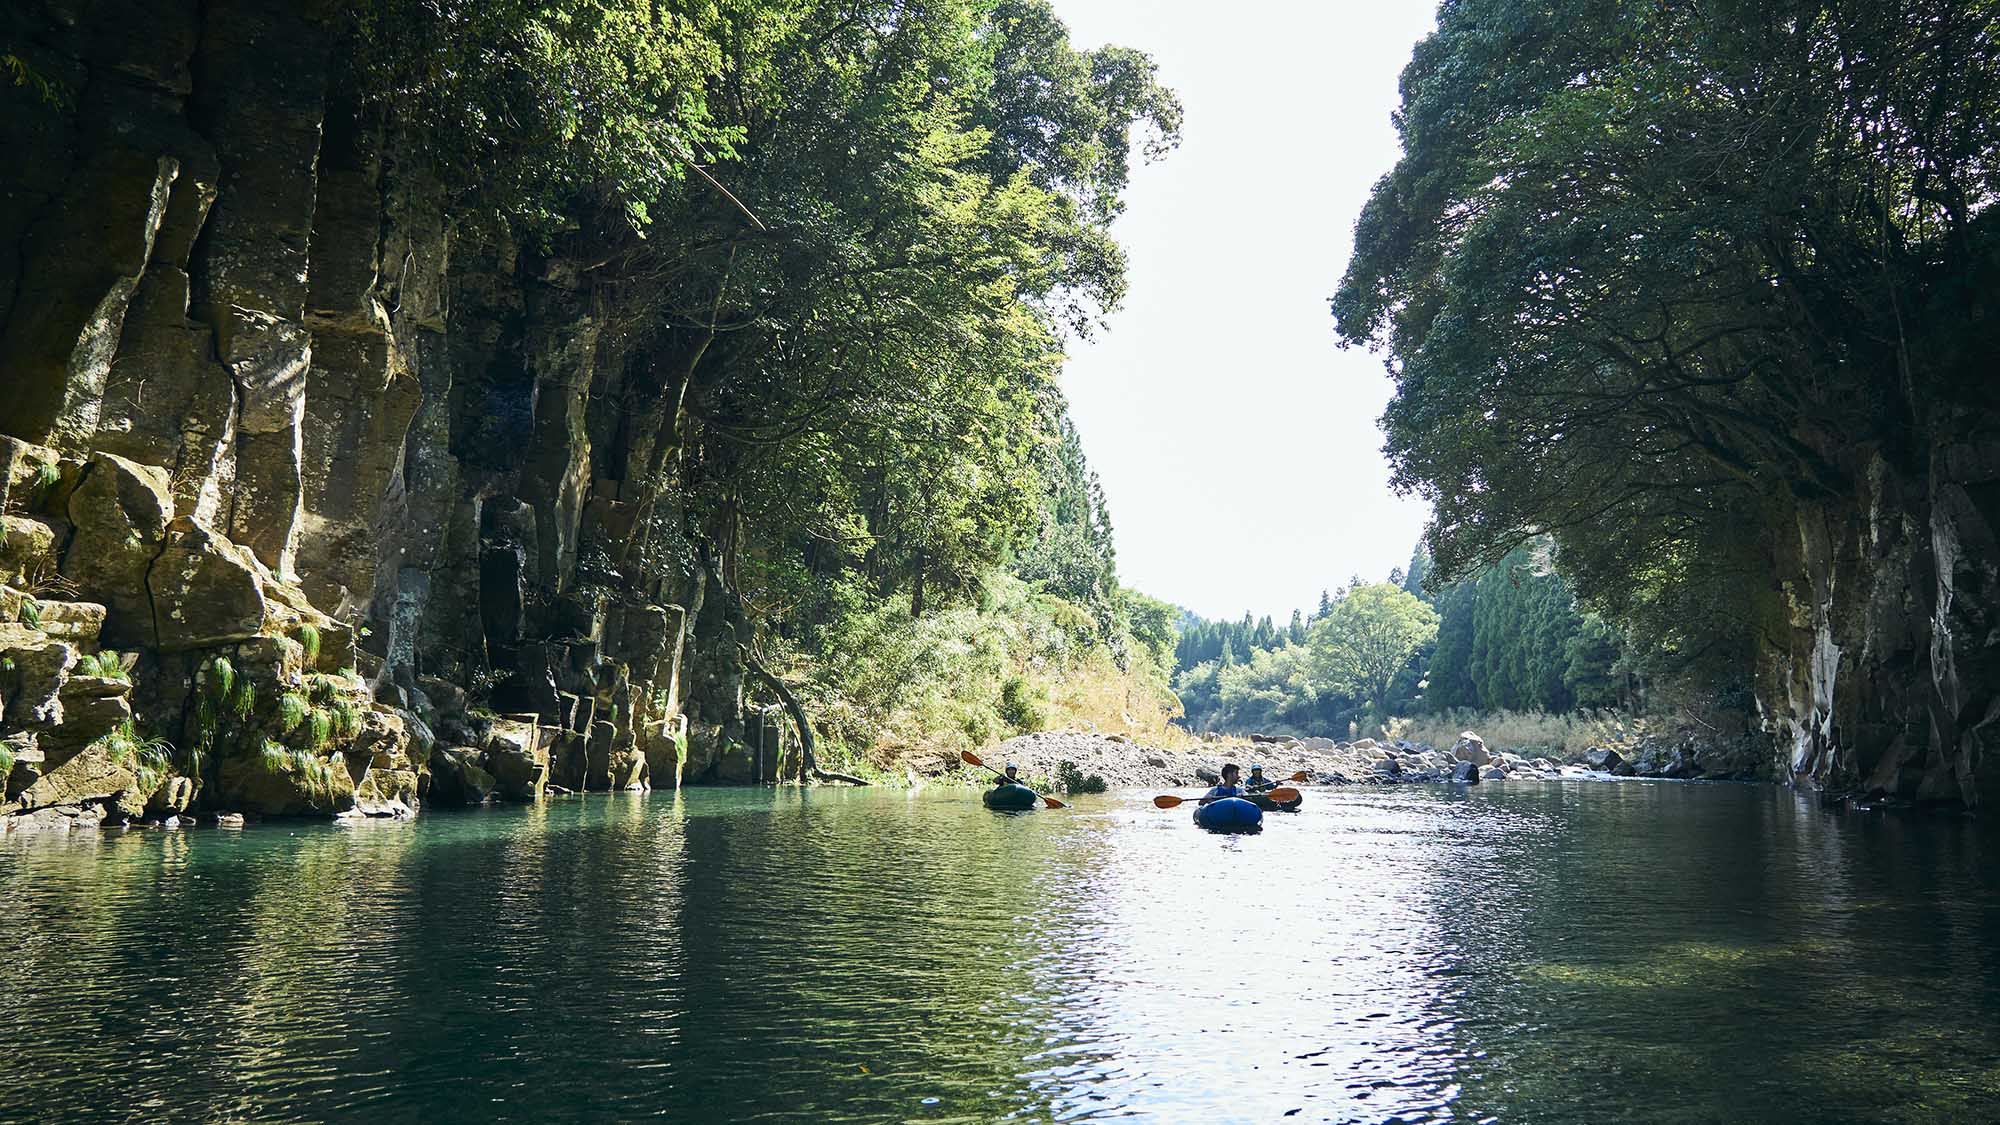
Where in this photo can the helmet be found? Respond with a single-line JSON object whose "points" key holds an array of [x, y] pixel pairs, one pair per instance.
{"points": [[1256, 769]]}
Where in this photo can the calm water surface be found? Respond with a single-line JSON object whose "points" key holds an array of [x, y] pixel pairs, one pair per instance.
{"points": [[1529, 951]]}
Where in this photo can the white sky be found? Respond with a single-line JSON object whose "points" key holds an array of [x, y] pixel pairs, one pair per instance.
{"points": [[1236, 443]]}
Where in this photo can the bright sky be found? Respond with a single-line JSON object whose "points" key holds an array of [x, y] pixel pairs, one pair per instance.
{"points": [[1236, 443]]}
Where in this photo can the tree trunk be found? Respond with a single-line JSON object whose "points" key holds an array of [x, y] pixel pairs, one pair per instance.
{"points": [[807, 751]]}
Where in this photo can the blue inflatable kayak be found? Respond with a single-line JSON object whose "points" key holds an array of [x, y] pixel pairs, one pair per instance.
{"points": [[1230, 814], [1011, 797]]}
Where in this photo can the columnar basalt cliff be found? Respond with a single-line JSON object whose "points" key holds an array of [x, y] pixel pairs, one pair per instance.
{"points": [[292, 458], [1881, 674]]}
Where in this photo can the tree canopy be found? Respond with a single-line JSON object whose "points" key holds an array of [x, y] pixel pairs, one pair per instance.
{"points": [[1651, 276], [1365, 642]]}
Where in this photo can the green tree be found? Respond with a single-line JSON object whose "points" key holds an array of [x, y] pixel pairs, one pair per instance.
{"points": [[1669, 281], [1367, 640]]}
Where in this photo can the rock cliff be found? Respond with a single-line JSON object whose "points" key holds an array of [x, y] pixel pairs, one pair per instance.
{"points": [[327, 475]]}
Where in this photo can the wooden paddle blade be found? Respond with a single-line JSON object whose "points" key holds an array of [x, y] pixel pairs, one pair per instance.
{"points": [[970, 758], [1283, 796], [1052, 802], [1164, 801], [1300, 776]]}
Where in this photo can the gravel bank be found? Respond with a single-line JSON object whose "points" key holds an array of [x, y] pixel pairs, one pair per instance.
{"points": [[1125, 765]]}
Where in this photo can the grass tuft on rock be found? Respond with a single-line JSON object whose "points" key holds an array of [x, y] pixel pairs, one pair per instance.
{"points": [[346, 718], [243, 699], [221, 677], [309, 642], [105, 665], [292, 710], [319, 728]]}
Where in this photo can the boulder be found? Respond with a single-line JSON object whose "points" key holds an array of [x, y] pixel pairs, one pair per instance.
{"points": [[26, 546], [1681, 764], [627, 767], [206, 590], [663, 745], [284, 784], [25, 473], [519, 769], [387, 793], [459, 778], [1603, 759], [1365, 744], [40, 665], [86, 718], [89, 776], [23, 749], [1471, 748], [174, 795], [79, 623], [120, 510]]}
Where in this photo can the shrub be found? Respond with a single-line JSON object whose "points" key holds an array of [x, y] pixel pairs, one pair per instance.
{"points": [[1020, 707], [1070, 779], [31, 613], [6, 764]]}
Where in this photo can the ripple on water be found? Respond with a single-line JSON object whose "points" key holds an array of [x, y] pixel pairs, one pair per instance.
{"points": [[1560, 952]]}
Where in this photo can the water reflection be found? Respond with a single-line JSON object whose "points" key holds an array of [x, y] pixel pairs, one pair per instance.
{"points": [[1558, 952]]}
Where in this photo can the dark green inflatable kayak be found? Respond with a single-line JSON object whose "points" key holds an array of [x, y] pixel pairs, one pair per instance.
{"points": [[1268, 805], [1011, 797]]}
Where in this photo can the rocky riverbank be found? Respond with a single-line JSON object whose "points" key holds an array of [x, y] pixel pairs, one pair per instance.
{"points": [[1125, 764]]}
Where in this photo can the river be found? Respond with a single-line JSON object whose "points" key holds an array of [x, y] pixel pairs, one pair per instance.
{"points": [[1524, 951]]}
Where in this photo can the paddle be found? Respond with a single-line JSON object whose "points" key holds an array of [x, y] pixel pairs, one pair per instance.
{"points": [[972, 759], [1166, 801]]}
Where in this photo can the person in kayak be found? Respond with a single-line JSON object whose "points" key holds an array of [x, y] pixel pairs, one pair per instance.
{"points": [[1228, 787], [1257, 782], [1011, 777]]}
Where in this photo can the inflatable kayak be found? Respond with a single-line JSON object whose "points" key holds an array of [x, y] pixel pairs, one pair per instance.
{"points": [[1230, 814], [1012, 797], [1268, 805]]}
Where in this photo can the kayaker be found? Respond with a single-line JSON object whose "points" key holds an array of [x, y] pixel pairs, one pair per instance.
{"points": [[1257, 782], [1229, 787], [1011, 777]]}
